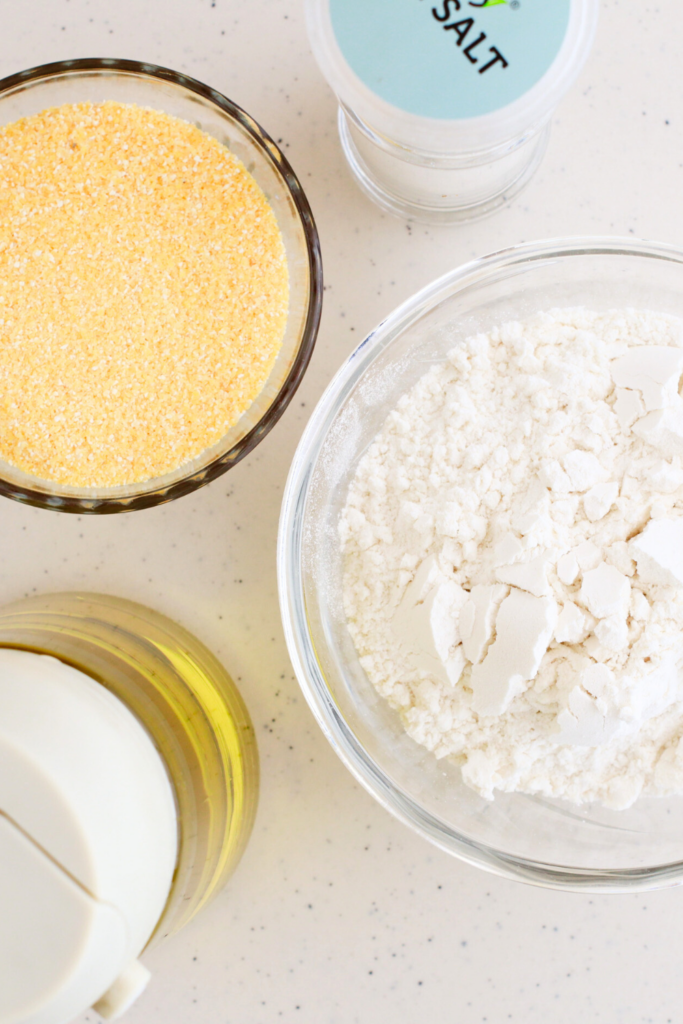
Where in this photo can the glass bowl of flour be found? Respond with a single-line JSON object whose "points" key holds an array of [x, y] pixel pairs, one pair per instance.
{"points": [[481, 563]]}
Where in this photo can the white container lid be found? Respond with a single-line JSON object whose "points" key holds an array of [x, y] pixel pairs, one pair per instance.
{"points": [[451, 76], [88, 843]]}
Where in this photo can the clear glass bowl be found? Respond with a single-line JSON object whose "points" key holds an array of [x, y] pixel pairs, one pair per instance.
{"points": [[125, 81], [548, 842]]}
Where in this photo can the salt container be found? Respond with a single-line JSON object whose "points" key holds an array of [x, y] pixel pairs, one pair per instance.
{"points": [[445, 107]]}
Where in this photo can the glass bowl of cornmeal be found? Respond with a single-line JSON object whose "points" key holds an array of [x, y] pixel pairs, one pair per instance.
{"points": [[480, 565], [160, 285]]}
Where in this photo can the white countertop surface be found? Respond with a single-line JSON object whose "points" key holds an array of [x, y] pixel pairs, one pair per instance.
{"points": [[338, 914]]}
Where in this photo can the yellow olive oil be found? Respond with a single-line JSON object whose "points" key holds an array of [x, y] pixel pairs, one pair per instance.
{"points": [[188, 704]]}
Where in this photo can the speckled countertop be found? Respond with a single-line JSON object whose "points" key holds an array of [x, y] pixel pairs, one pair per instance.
{"points": [[338, 914]]}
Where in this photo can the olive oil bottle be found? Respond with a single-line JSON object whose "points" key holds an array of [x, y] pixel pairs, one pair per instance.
{"points": [[188, 705]]}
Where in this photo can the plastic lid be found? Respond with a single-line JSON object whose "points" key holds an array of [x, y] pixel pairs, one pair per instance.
{"points": [[88, 843], [447, 76]]}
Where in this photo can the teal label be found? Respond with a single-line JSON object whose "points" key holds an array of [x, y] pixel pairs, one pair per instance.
{"points": [[450, 58]]}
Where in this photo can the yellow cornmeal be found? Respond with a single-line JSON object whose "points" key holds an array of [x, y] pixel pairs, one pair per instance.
{"points": [[143, 293]]}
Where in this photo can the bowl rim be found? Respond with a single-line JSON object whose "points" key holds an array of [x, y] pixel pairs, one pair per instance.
{"points": [[103, 503], [292, 599]]}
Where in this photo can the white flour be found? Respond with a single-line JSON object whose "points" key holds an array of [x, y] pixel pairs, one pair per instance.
{"points": [[514, 557]]}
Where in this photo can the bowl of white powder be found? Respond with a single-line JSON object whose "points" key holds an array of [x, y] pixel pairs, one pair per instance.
{"points": [[481, 563]]}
